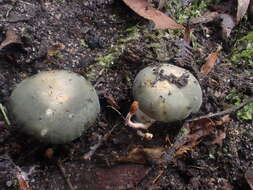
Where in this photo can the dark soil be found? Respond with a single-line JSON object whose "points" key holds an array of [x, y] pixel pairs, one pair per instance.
{"points": [[88, 31]]}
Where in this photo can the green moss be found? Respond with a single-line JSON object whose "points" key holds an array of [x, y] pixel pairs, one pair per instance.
{"points": [[183, 13], [243, 50], [235, 98], [83, 43], [116, 50]]}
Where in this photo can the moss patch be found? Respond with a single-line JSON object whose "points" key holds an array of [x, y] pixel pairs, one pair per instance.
{"points": [[243, 50], [235, 97]]}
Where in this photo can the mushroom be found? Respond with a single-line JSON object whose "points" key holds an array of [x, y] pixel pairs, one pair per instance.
{"points": [[165, 93], [54, 106]]}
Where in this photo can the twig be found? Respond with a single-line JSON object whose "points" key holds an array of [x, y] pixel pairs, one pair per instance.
{"points": [[227, 111], [63, 172], [22, 176], [16, 21], [158, 176], [168, 156], [2, 108], [8, 12], [101, 141], [120, 114], [180, 140]]}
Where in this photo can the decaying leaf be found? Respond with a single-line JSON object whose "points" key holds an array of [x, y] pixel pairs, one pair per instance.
{"points": [[161, 21], [210, 62], [249, 177], [11, 37], [242, 8], [207, 17], [225, 119], [198, 130], [187, 34], [56, 48], [221, 135], [143, 155], [22, 179]]}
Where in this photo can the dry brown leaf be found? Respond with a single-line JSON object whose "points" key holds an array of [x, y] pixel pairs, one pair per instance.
{"points": [[242, 8], [56, 48], [225, 119], [161, 21], [143, 155], [210, 62], [221, 135], [207, 17], [11, 37], [198, 129], [23, 184], [183, 150], [187, 34]]}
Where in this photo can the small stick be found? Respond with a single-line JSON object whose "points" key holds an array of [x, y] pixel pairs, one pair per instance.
{"points": [[2, 108], [101, 141], [227, 111], [158, 176], [118, 112], [63, 172]]}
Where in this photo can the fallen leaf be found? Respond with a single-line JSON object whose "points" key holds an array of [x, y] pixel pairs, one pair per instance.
{"points": [[199, 129], [22, 181], [207, 17], [54, 49], [143, 155], [227, 24], [210, 62], [187, 34], [11, 37], [225, 119], [242, 8], [161, 21], [221, 135]]}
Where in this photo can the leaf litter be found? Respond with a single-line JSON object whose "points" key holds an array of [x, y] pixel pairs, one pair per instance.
{"points": [[161, 21], [196, 130]]}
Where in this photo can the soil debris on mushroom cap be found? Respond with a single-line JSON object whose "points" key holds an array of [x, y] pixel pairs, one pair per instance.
{"points": [[167, 92]]}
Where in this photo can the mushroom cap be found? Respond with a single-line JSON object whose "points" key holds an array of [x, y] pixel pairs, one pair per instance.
{"points": [[54, 106], [167, 93]]}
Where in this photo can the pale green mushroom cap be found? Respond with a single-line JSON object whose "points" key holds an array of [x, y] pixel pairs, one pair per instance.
{"points": [[167, 93], [54, 106]]}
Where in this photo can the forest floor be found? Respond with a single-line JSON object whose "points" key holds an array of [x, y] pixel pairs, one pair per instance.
{"points": [[109, 44]]}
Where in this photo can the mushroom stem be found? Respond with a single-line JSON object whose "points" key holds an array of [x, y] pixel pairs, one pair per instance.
{"points": [[134, 109]]}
